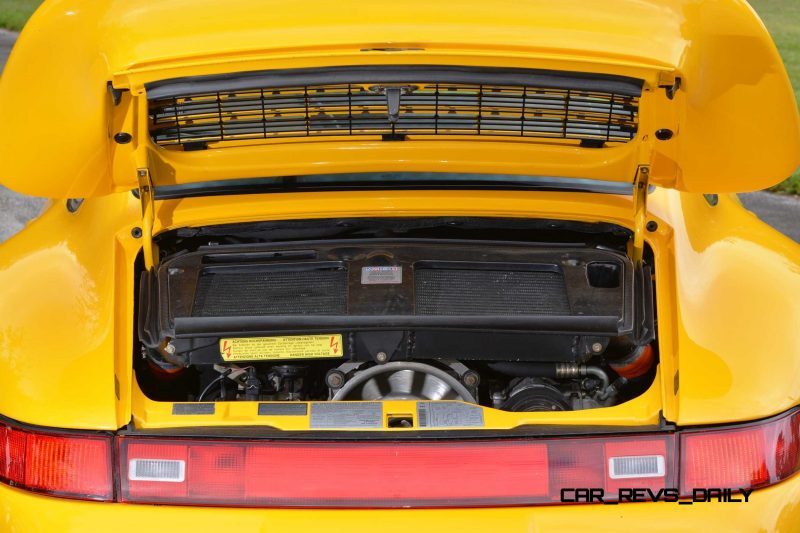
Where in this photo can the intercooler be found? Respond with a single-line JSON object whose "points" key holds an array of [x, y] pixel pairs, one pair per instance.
{"points": [[481, 300], [511, 289], [322, 289], [258, 290]]}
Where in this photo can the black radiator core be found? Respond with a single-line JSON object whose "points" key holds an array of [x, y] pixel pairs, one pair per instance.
{"points": [[261, 292], [460, 291]]}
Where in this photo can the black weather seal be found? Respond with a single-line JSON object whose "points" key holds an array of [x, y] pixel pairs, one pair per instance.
{"points": [[283, 185], [188, 327], [238, 81], [147, 320]]}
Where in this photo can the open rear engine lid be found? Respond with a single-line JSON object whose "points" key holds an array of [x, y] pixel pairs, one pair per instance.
{"points": [[694, 92]]}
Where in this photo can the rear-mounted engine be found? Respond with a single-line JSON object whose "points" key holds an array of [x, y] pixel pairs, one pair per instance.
{"points": [[274, 312]]}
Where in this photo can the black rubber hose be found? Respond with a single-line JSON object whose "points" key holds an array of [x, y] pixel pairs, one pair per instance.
{"points": [[217, 379]]}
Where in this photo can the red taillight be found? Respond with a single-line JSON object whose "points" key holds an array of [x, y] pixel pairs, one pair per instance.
{"points": [[77, 466], [392, 474], [741, 458], [401, 473]]}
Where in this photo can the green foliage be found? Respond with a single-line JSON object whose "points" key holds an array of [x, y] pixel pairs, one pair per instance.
{"points": [[782, 18], [14, 13]]}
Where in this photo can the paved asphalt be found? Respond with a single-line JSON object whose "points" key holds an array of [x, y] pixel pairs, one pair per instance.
{"points": [[15, 209], [781, 212], [6, 40]]}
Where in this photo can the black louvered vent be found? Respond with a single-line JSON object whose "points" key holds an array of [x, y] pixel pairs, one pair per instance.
{"points": [[418, 110]]}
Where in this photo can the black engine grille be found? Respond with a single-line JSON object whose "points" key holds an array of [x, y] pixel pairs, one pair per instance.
{"points": [[424, 110], [490, 292], [261, 293]]}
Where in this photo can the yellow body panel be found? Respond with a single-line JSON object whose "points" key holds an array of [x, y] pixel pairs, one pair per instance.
{"points": [[66, 311], [726, 284], [734, 115], [736, 288], [774, 509]]}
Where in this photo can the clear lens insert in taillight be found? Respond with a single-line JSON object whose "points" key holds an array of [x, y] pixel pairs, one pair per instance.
{"points": [[76, 466], [743, 457]]}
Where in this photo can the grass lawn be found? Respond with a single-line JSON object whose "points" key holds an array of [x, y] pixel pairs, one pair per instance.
{"points": [[14, 13], [782, 17]]}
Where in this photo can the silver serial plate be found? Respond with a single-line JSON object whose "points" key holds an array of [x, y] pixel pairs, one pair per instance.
{"points": [[381, 275]]}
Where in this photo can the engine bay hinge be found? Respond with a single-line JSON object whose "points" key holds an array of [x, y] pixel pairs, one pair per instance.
{"points": [[147, 199], [640, 190]]}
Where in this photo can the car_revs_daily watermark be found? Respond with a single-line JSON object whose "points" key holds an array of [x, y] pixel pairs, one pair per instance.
{"points": [[670, 495]]}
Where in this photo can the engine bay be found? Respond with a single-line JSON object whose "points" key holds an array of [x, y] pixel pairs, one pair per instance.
{"points": [[551, 316]]}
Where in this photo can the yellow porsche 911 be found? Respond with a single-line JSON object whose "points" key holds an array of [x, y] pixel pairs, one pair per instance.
{"points": [[358, 266]]}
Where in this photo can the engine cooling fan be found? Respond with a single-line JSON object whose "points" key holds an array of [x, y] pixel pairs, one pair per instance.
{"points": [[403, 381]]}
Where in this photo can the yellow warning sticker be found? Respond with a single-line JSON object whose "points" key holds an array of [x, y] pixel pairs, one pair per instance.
{"points": [[272, 348]]}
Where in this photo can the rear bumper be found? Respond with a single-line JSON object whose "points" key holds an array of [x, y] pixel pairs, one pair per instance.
{"points": [[776, 508]]}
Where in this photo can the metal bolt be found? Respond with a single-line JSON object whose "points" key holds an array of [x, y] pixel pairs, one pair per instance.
{"points": [[498, 399], [169, 348], [335, 379], [136, 232], [381, 357], [597, 347], [471, 379], [652, 226]]}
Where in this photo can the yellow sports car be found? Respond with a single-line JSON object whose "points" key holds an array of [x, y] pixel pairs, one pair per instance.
{"points": [[421, 265]]}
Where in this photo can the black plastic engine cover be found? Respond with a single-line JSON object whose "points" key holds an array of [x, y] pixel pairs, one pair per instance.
{"points": [[423, 298]]}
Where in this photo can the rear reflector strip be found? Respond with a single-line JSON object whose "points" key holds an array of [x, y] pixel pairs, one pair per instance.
{"points": [[394, 474]]}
